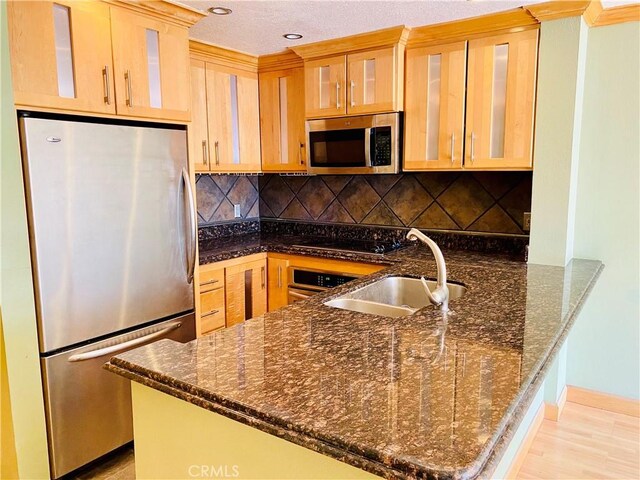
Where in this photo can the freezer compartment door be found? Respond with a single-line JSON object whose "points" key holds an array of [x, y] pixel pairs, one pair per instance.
{"points": [[112, 237], [89, 408]]}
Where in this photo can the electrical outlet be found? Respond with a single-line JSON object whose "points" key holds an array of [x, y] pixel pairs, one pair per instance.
{"points": [[236, 211], [526, 223]]}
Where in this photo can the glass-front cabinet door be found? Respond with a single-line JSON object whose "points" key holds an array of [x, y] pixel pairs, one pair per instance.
{"points": [[199, 148], [434, 107], [372, 82], [61, 55], [233, 119], [151, 66], [500, 101], [282, 128], [325, 82]]}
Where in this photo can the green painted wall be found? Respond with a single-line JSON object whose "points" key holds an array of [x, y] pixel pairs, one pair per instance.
{"points": [[16, 289], [561, 63], [605, 343]]}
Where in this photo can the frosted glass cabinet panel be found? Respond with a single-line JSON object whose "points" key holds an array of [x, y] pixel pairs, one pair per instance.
{"points": [[500, 101], [64, 54], [282, 127], [61, 55], [151, 80], [434, 107]]}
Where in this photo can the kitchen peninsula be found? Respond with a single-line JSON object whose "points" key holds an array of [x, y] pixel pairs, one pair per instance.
{"points": [[420, 396]]}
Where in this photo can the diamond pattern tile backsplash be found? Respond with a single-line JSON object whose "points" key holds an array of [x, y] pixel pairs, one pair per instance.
{"points": [[217, 194], [492, 202]]}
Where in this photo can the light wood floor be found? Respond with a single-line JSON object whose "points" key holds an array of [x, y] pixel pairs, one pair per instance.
{"points": [[587, 443]]}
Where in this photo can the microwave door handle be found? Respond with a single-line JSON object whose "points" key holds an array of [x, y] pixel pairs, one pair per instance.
{"points": [[367, 145]]}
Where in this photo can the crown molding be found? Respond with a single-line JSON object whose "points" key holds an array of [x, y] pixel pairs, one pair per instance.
{"points": [[223, 56], [166, 10], [353, 43], [502, 22], [611, 16], [557, 9], [279, 61]]}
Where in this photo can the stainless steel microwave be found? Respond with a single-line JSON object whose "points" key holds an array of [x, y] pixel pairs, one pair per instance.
{"points": [[362, 144]]}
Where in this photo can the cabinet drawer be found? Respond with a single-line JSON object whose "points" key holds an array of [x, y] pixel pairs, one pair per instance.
{"points": [[211, 279], [212, 312]]}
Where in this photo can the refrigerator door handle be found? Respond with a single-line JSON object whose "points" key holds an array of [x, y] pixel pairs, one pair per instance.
{"points": [[125, 345], [191, 206]]}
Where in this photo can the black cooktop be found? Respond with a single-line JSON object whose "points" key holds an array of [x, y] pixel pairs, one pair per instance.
{"points": [[360, 246]]}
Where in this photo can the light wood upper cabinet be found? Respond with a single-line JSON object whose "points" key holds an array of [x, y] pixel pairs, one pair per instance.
{"points": [[151, 66], [282, 127], [354, 84], [497, 114], [71, 55], [233, 119], [434, 107], [325, 82], [355, 75], [61, 55], [199, 147], [246, 291], [500, 100], [225, 126], [372, 82]]}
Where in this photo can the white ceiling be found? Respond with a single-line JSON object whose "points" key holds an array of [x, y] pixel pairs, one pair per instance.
{"points": [[257, 26]]}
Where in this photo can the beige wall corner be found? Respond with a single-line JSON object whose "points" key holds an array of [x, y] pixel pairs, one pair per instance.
{"points": [[8, 460], [16, 290], [562, 58]]}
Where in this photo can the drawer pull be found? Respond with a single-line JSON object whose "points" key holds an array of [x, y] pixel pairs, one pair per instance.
{"points": [[212, 312], [210, 282]]}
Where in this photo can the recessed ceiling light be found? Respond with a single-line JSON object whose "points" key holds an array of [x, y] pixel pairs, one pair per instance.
{"points": [[292, 36], [220, 10]]}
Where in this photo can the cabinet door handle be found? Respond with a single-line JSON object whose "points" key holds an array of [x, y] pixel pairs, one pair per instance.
{"points": [[279, 276], [473, 141], [263, 277], [300, 156], [217, 148], [453, 143], [205, 155], [337, 94], [127, 79], [212, 312], [107, 87], [353, 101]]}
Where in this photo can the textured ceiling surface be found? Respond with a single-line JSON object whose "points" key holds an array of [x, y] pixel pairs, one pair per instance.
{"points": [[257, 26]]}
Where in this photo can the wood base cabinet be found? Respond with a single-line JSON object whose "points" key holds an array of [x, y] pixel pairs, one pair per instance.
{"points": [[246, 291], [212, 298], [490, 129], [278, 276]]}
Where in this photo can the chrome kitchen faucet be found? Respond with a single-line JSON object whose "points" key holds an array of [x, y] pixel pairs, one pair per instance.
{"points": [[440, 296]]}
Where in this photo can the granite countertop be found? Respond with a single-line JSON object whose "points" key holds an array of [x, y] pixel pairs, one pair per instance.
{"points": [[423, 396]]}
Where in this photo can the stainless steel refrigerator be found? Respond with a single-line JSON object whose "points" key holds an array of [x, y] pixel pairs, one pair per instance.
{"points": [[113, 240]]}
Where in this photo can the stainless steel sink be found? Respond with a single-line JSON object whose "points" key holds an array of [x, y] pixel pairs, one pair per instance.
{"points": [[392, 297]]}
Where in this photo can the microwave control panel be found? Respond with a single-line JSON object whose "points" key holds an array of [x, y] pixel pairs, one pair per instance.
{"points": [[381, 148]]}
